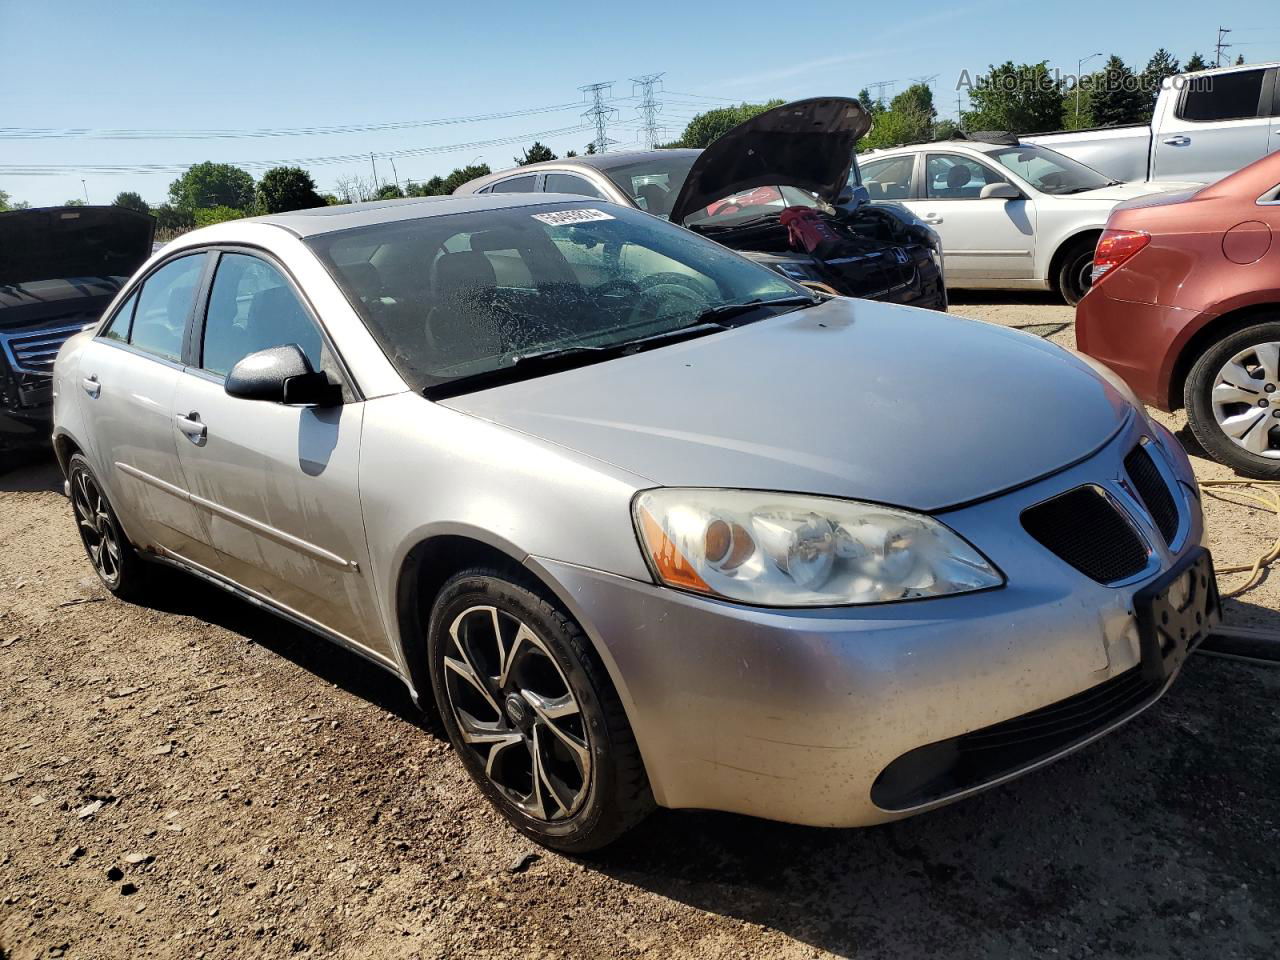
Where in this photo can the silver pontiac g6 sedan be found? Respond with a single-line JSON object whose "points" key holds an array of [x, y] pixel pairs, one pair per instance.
{"points": [[646, 521]]}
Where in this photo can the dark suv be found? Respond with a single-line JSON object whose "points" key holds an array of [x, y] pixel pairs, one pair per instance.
{"points": [[59, 268]]}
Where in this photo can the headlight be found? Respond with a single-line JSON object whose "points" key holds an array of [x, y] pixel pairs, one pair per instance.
{"points": [[791, 550]]}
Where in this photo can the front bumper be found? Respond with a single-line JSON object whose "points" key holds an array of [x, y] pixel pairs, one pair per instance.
{"points": [[793, 714]]}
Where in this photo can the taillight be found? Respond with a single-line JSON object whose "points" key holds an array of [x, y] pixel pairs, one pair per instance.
{"points": [[1114, 248]]}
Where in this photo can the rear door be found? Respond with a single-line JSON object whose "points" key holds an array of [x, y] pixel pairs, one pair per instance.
{"points": [[1220, 123], [275, 485], [988, 239], [126, 382]]}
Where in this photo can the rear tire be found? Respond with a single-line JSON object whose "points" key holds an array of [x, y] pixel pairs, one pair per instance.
{"points": [[111, 554], [532, 713], [1229, 408], [1074, 271]]}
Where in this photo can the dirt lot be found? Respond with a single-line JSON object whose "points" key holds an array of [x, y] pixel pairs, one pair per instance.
{"points": [[202, 780]]}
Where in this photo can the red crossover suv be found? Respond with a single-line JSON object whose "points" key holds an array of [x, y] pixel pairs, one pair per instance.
{"points": [[1185, 306]]}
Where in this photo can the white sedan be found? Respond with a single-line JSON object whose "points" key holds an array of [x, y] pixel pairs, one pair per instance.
{"points": [[1011, 216]]}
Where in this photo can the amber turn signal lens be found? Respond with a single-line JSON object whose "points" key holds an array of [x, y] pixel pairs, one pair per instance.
{"points": [[671, 565]]}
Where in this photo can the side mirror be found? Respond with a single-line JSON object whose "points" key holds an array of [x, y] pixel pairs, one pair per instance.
{"points": [[1000, 191], [281, 375]]}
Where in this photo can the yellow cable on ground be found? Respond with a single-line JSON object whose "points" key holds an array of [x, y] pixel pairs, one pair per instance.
{"points": [[1270, 502]]}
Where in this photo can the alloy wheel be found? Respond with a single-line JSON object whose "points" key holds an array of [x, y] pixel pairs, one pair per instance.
{"points": [[517, 713], [97, 530], [1246, 402]]}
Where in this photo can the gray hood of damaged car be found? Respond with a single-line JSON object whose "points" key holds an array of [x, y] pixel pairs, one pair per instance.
{"points": [[806, 144], [849, 398]]}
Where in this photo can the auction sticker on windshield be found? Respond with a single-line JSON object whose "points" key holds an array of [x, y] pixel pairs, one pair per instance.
{"points": [[561, 217]]}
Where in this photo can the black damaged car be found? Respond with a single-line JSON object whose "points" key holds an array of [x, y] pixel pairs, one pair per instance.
{"points": [[59, 269], [781, 188]]}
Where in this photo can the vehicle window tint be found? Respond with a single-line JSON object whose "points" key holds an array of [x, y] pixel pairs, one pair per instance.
{"points": [[118, 327], [1226, 96], [515, 185], [569, 183], [251, 308], [888, 179], [949, 176], [164, 304]]}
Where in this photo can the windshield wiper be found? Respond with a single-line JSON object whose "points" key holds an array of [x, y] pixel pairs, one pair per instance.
{"points": [[699, 328], [726, 311]]}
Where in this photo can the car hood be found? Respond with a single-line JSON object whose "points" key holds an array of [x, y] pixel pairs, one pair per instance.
{"points": [[807, 144], [850, 398], [58, 243], [1131, 191]]}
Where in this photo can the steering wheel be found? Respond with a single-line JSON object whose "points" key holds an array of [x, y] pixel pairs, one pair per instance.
{"points": [[665, 294], [615, 285]]}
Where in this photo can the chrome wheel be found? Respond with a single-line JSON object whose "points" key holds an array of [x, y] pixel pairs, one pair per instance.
{"points": [[516, 712], [97, 529], [1245, 402]]}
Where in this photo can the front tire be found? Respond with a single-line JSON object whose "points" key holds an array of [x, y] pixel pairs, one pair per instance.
{"points": [[1232, 396], [113, 557], [532, 713], [1075, 272]]}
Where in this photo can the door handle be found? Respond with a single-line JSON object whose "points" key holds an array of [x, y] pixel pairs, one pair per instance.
{"points": [[1177, 141], [91, 386], [932, 218], [194, 430]]}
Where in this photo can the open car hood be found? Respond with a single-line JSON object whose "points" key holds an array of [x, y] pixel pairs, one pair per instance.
{"points": [[807, 144], [58, 243]]}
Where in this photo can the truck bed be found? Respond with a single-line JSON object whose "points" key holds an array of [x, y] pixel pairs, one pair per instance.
{"points": [[1121, 152]]}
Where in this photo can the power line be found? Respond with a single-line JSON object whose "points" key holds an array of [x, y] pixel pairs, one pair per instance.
{"points": [[600, 114], [55, 169], [130, 133], [648, 107], [1220, 46]]}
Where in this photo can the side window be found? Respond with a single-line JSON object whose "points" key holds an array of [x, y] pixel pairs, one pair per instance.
{"points": [[515, 185], [118, 328], [949, 176], [1224, 96], [252, 307], [889, 179], [570, 183], [164, 304]]}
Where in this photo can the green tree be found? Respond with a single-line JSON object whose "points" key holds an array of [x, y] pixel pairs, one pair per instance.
{"points": [[388, 191], [1195, 62], [1240, 60], [205, 216], [77, 202], [4, 201], [591, 148], [909, 119], [535, 154], [1117, 96], [706, 128], [1160, 68], [571, 153], [463, 174], [131, 201], [172, 220], [946, 130], [207, 185], [287, 188], [1020, 99]]}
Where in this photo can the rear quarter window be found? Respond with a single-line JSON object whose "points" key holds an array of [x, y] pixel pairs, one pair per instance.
{"points": [[1227, 96]]}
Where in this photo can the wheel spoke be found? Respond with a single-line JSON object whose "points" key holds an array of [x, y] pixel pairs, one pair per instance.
{"points": [[1235, 374], [524, 636], [1240, 425], [1268, 355], [1230, 393], [548, 711]]}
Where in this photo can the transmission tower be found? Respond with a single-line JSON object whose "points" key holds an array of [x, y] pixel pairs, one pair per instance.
{"points": [[648, 108], [880, 87], [600, 113]]}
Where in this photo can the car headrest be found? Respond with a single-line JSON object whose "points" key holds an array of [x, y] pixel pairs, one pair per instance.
{"points": [[958, 176], [462, 273], [501, 238]]}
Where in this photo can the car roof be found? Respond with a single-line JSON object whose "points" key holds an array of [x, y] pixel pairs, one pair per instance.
{"points": [[345, 216], [978, 146]]}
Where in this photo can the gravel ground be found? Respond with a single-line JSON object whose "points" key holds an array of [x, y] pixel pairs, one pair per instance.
{"points": [[198, 779]]}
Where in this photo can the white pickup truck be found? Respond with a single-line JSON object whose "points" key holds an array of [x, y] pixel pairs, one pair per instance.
{"points": [[1206, 125]]}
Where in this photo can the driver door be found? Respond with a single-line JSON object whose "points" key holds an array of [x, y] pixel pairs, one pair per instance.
{"points": [[989, 239], [276, 486]]}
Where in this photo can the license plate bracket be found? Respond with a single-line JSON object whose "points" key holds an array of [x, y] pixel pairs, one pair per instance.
{"points": [[1175, 613]]}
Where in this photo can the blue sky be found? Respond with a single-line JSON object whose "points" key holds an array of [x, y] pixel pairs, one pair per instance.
{"points": [[275, 64]]}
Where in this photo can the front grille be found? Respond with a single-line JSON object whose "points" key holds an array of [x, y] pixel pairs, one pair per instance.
{"points": [[1153, 490], [961, 763], [35, 352], [1086, 530]]}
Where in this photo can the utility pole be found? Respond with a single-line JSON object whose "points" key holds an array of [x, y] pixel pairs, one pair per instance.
{"points": [[86, 190], [1079, 73], [648, 107], [600, 114], [394, 176], [375, 173], [1220, 46]]}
